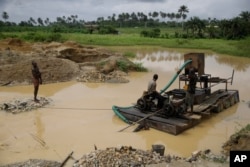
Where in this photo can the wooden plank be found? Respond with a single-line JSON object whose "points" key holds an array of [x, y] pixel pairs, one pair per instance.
{"points": [[172, 120], [66, 159], [143, 118], [209, 102]]}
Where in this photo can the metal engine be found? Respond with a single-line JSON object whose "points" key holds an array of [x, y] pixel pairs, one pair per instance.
{"points": [[174, 104]]}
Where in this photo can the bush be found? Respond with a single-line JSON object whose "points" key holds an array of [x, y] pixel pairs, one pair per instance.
{"points": [[54, 37], [129, 54], [107, 30], [139, 67], [122, 65], [154, 33], [144, 33], [43, 37]]}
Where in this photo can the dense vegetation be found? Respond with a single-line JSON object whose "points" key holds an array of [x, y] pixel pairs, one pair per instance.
{"points": [[230, 36]]}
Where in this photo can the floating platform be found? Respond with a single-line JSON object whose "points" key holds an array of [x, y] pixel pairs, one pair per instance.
{"points": [[211, 104]]}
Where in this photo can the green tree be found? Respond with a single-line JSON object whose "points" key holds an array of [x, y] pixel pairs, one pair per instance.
{"points": [[171, 16], [40, 21], [155, 15], [46, 21], [5, 16], [235, 28], [196, 25], [182, 11], [163, 15], [31, 21], [121, 18], [245, 15], [212, 28]]}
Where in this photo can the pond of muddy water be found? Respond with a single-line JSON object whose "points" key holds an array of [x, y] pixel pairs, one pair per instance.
{"points": [[81, 115]]}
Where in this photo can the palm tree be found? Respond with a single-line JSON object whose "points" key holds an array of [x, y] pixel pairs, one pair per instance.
{"points": [[245, 15], [171, 16], [5, 16], [40, 21], [163, 15], [32, 21], [113, 17], [121, 18], [46, 21], [182, 10], [155, 14]]}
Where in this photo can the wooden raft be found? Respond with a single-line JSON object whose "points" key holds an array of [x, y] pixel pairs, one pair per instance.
{"points": [[216, 102]]}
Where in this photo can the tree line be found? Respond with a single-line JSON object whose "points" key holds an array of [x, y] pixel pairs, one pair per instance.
{"points": [[235, 28]]}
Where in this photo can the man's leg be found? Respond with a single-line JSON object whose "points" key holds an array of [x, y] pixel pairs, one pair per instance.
{"points": [[191, 102], [35, 92], [160, 100]]}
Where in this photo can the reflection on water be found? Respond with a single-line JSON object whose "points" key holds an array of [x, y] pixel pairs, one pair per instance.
{"points": [[166, 59], [83, 115], [39, 125], [239, 64]]}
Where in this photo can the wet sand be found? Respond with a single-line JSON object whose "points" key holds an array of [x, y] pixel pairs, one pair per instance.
{"points": [[81, 115]]}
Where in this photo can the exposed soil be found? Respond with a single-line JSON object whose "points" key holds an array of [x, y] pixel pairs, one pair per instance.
{"points": [[59, 62], [67, 61]]}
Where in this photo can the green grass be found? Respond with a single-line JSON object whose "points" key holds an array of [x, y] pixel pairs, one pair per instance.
{"points": [[131, 37], [229, 47]]}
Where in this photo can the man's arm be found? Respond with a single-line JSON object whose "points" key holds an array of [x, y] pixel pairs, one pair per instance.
{"points": [[40, 78]]}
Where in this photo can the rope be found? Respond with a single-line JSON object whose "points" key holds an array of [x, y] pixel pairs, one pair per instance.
{"points": [[64, 108]]}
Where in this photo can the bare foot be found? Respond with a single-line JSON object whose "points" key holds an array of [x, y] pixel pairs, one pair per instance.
{"points": [[37, 101]]}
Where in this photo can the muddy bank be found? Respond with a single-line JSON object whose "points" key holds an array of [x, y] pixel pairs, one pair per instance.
{"points": [[59, 62], [127, 156]]}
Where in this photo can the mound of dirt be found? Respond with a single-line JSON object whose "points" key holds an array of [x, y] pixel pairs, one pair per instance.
{"points": [[238, 141], [58, 62]]}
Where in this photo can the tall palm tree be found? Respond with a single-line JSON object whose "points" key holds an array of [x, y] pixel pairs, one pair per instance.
{"points": [[171, 16], [40, 21], [155, 14], [113, 17], [46, 21], [163, 15], [5, 16], [32, 21], [245, 15], [182, 11]]}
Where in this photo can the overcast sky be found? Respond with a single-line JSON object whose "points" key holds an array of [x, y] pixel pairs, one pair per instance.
{"points": [[89, 10]]}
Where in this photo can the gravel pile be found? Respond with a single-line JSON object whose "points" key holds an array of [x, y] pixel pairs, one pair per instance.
{"points": [[20, 105], [123, 156]]}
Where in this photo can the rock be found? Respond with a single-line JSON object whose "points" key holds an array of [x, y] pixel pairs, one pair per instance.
{"points": [[124, 156]]}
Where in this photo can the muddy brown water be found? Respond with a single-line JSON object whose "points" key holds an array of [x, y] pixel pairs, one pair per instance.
{"points": [[80, 115]]}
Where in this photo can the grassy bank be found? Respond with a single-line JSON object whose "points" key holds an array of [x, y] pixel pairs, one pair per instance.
{"points": [[230, 47], [131, 37]]}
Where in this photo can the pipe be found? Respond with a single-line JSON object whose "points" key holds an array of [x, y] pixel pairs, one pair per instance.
{"points": [[175, 76], [114, 108]]}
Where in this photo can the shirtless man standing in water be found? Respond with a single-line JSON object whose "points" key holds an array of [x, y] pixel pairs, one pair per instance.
{"points": [[37, 79]]}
